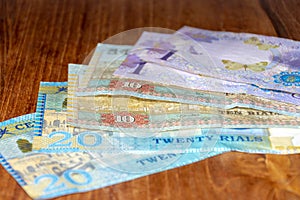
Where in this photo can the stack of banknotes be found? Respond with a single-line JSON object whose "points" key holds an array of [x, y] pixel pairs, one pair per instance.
{"points": [[167, 101]]}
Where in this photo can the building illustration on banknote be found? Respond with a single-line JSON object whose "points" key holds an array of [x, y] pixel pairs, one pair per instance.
{"points": [[37, 164]]}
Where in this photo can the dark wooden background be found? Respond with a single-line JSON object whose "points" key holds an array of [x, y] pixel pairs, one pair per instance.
{"points": [[38, 38]]}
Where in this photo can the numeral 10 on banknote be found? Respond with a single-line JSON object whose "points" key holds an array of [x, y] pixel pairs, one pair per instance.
{"points": [[124, 119], [131, 85]]}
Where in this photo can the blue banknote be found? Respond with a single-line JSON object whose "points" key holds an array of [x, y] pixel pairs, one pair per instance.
{"points": [[279, 141], [44, 175]]}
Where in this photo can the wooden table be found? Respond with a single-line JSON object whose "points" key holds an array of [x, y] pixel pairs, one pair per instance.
{"points": [[39, 38]]}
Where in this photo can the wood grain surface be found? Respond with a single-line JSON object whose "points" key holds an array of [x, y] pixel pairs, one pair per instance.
{"points": [[40, 37]]}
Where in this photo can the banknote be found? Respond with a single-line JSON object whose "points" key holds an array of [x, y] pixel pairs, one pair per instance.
{"points": [[112, 54], [131, 114], [156, 73], [51, 109], [43, 175], [268, 62], [121, 113], [108, 52], [273, 140], [99, 80], [152, 44], [51, 122]]}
